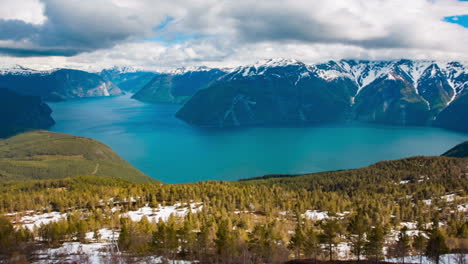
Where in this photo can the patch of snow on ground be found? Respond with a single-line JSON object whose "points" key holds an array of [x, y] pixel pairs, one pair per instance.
{"points": [[462, 207], [31, 220], [448, 197], [94, 253], [343, 251], [427, 202], [163, 212], [447, 259], [105, 235], [409, 225], [315, 215]]}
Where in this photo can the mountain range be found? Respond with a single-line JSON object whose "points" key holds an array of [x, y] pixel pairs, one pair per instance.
{"points": [[289, 92], [276, 91], [58, 84]]}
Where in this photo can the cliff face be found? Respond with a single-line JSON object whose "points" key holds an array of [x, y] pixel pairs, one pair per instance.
{"points": [[19, 113]]}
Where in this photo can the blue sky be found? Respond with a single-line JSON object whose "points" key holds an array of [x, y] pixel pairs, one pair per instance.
{"points": [[461, 20]]}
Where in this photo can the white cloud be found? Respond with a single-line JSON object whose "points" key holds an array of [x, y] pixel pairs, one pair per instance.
{"points": [[30, 11], [225, 32]]}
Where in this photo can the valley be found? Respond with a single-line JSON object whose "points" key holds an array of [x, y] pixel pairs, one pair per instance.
{"points": [[349, 152], [162, 146]]}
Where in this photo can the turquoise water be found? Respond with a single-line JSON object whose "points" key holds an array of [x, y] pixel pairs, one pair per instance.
{"points": [[154, 141]]}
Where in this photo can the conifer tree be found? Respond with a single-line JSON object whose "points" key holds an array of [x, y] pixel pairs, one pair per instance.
{"points": [[375, 243], [297, 241], [436, 245], [357, 229], [402, 245], [329, 236]]}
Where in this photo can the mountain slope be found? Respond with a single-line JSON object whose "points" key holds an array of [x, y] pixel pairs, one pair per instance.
{"points": [[455, 115], [276, 92], [459, 151], [177, 87], [391, 99], [19, 113], [49, 155], [57, 85], [128, 79]]}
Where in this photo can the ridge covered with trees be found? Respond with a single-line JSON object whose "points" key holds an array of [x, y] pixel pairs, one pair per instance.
{"points": [[263, 220]]}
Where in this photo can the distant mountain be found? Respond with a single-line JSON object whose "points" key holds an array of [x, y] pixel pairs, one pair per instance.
{"points": [[57, 85], [128, 79], [19, 113], [49, 155], [283, 91], [177, 86], [459, 151]]}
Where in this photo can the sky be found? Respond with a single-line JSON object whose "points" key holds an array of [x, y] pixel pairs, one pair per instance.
{"points": [[166, 34]]}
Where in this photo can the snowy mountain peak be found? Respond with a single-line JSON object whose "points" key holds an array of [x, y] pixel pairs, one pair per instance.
{"points": [[183, 70], [21, 70], [277, 62], [124, 69]]}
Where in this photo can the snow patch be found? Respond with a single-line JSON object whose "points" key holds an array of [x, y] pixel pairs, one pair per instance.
{"points": [[36, 220], [315, 215], [163, 212]]}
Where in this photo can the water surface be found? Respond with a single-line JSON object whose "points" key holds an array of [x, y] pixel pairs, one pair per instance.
{"points": [[153, 140]]}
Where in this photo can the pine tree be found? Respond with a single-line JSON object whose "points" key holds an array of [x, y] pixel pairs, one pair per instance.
{"points": [[402, 245], [419, 244], [311, 244], [357, 229], [436, 245], [329, 236], [297, 241], [375, 243]]}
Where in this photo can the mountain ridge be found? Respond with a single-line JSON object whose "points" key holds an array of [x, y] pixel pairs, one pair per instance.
{"points": [[57, 84], [426, 89]]}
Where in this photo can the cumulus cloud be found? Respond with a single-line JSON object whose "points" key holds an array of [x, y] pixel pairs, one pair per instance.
{"points": [[223, 32]]}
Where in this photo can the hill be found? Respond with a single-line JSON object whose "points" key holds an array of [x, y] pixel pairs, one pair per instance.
{"points": [[409, 175], [459, 151], [49, 155], [19, 113]]}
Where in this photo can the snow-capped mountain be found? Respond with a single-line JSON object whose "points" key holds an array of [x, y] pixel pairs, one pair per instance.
{"points": [[56, 84], [21, 70], [177, 86], [403, 92], [128, 78]]}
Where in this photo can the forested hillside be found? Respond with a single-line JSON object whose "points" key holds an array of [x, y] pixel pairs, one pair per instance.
{"points": [[407, 207]]}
